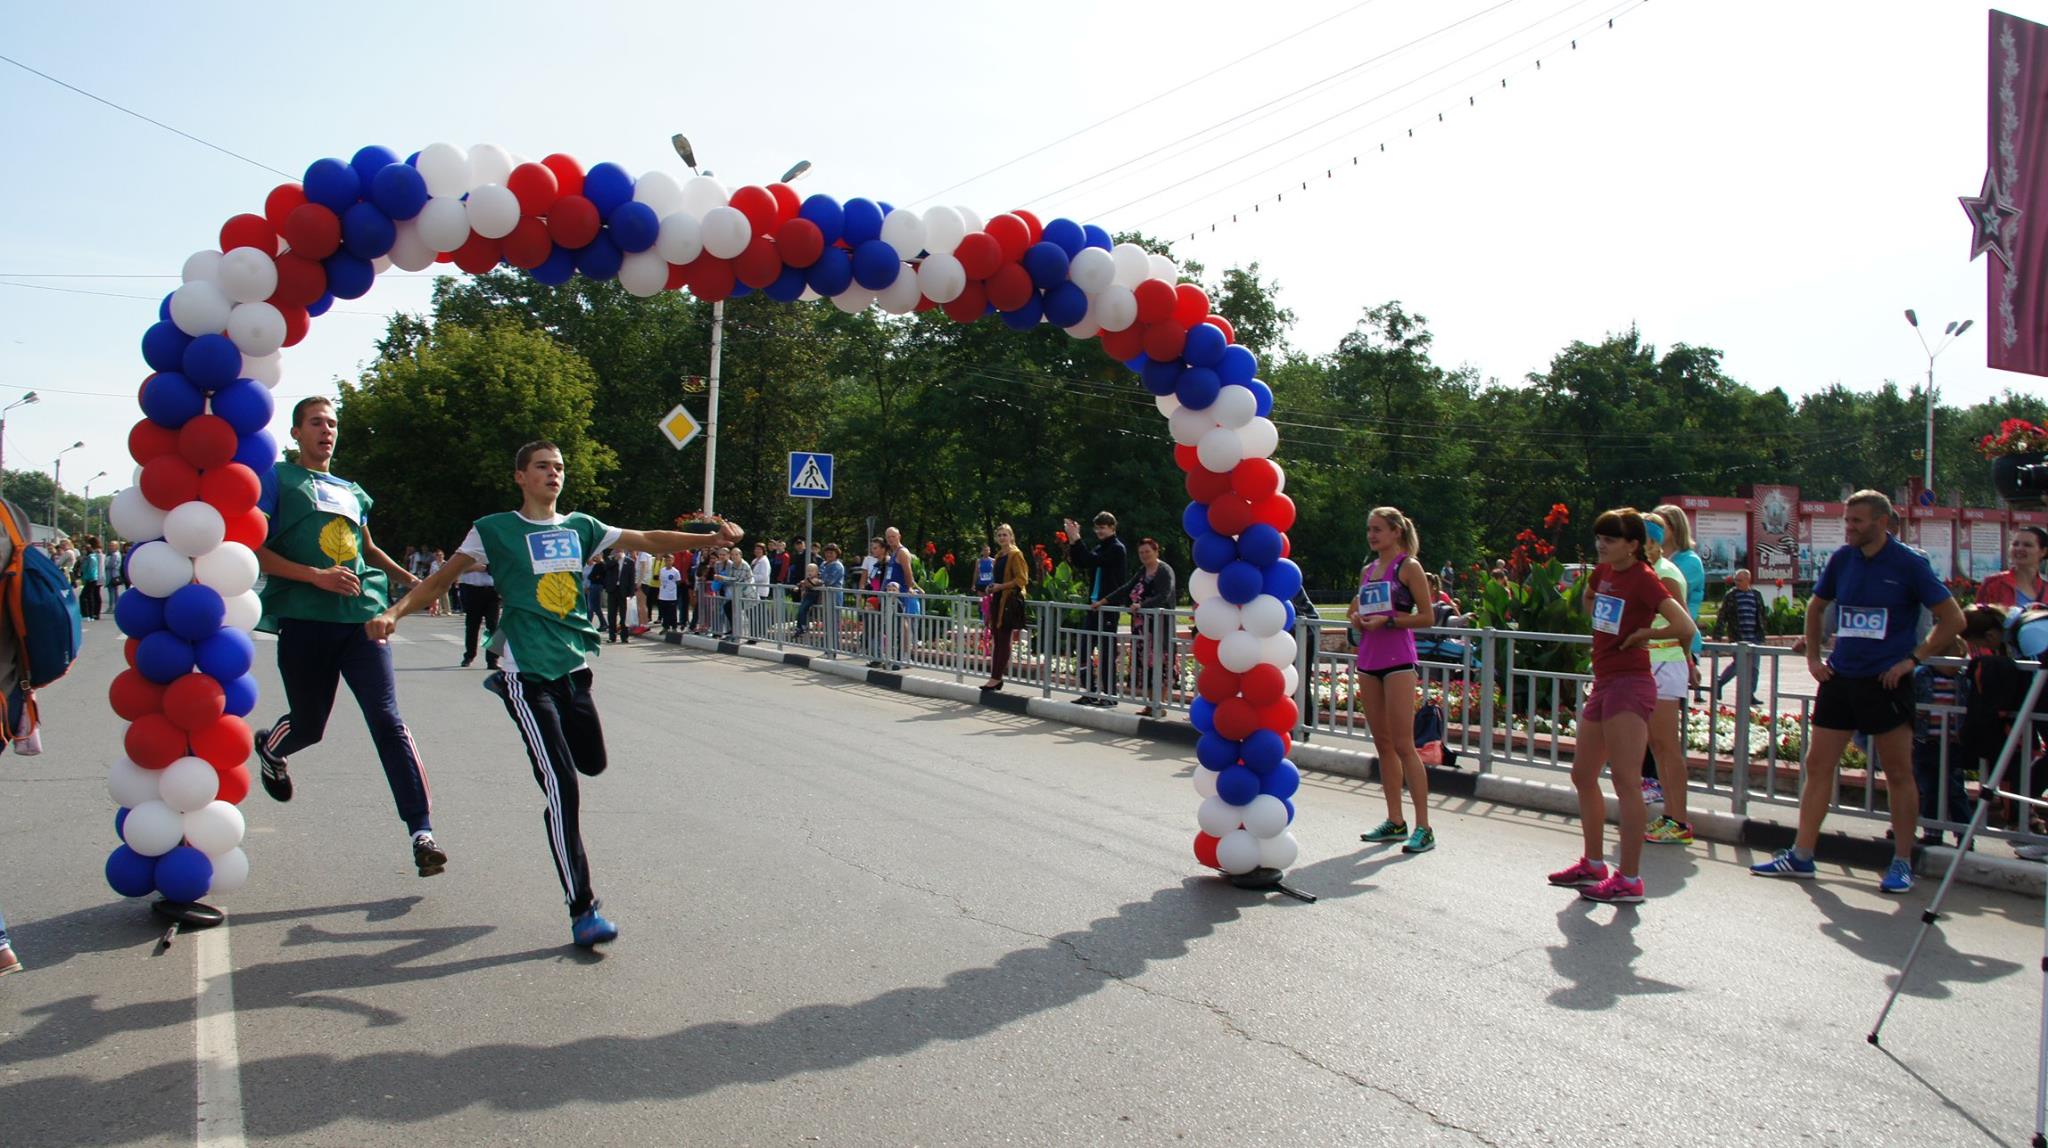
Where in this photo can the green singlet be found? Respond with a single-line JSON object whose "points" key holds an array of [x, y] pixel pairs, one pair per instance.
{"points": [[544, 625], [318, 520]]}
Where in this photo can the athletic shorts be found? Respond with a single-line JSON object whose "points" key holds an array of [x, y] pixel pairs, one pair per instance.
{"points": [[1863, 705], [1382, 672], [1621, 694], [1672, 678]]}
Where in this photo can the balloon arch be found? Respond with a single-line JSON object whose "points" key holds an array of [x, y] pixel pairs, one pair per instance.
{"points": [[192, 521]]}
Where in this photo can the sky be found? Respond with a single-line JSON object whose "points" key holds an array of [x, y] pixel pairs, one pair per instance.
{"points": [[1774, 180]]}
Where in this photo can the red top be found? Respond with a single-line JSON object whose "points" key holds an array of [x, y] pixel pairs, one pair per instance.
{"points": [[1624, 602], [2001, 589]]}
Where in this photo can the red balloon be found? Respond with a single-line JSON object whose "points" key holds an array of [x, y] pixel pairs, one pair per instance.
{"points": [[278, 205], [969, 305], [296, 323], [1276, 512], [1278, 715], [1190, 305], [234, 784], [1257, 479], [1230, 514], [231, 489], [313, 231], [249, 231], [568, 174], [168, 480], [248, 528], [535, 186], [678, 277], [1186, 458], [979, 254], [148, 440], [1124, 345], [1217, 684], [1034, 230], [799, 242], [128, 650], [1236, 719], [300, 281], [786, 202], [1222, 324], [226, 743], [1012, 236], [1010, 287], [1164, 340], [1155, 300], [573, 221], [1205, 850], [152, 742], [1286, 547], [133, 695], [1205, 651], [528, 245], [1264, 684], [710, 278], [206, 441], [759, 265], [194, 702], [479, 254], [1205, 485], [758, 205]]}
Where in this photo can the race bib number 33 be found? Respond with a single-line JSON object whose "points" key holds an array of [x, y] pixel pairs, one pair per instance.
{"points": [[555, 551], [1861, 622], [1607, 613]]}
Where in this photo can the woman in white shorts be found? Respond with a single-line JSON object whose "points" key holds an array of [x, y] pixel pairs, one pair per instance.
{"points": [[1670, 664]]}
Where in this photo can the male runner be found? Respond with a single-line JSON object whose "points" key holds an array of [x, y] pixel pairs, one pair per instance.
{"points": [[318, 594]]}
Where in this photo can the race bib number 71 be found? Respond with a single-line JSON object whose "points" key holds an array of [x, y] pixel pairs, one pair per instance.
{"points": [[1607, 613], [555, 551], [1376, 598]]}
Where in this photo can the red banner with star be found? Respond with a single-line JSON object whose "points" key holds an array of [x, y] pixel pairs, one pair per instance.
{"points": [[2009, 216]]}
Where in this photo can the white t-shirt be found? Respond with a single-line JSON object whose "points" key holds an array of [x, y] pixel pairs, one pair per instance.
{"points": [[760, 576], [670, 579], [473, 545]]}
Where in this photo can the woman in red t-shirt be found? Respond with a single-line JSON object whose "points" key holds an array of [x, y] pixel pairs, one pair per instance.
{"points": [[1623, 595]]}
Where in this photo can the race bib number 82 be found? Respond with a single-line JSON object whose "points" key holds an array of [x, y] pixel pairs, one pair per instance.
{"points": [[555, 551], [1607, 613]]}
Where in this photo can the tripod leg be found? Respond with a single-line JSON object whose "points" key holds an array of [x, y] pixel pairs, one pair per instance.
{"points": [[2041, 1050]]}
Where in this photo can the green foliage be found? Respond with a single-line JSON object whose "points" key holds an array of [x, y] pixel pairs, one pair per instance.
{"points": [[1787, 615]]}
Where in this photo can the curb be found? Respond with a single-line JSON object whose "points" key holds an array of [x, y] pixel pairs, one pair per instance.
{"points": [[2006, 874]]}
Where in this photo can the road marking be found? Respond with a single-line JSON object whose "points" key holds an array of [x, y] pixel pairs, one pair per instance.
{"points": [[219, 1052]]}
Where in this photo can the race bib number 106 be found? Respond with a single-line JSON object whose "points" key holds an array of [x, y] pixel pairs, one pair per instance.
{"points": [[1861, 622], [553, 551]]}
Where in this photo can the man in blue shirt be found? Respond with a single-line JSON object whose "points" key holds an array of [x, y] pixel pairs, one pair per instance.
{"points": [[1877, 587]]}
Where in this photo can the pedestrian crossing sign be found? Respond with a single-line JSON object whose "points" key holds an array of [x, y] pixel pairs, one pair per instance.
{"points": [[810, 474], [680, 427]]}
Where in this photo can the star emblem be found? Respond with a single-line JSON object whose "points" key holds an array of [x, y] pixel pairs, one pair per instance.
{"points": [[1989, 211]]}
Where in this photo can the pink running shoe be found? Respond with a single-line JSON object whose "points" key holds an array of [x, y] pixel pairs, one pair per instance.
{"points": [[1615, 890], [1582, 873]]}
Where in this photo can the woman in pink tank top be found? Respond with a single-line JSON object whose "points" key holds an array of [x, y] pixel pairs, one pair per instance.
{"points": [[1389, 607]]}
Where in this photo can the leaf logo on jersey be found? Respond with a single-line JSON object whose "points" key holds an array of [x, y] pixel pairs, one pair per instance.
{"points": [[559, 593], [338, 540]]}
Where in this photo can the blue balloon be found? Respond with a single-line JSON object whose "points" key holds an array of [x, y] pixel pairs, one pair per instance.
{"points": [[171, 400], [860, 221], [833, 272], [1098, 237], [1289, 803], [601, 259], [1197, 388], [1237, 785], [212, 362], [256, 451], [740, 291], [1262, 396], [246, 404], [634, 227], [1237, 365], [137, 614], [1282, 781], [1239, 582], [1047, 265], [875, 263], [120, 821], [608, 187], [1217, 752], [194, 612], [348, 276], [226, 655], [398, 190], [184, 874], [1205, 346], [130, 873], [1259, 545], [366, 232], [1288, 622], [1162, 377], [163, 310], [164, 657], [1066, 304], [1026, 317], [1283, 579], [825, 211], [1214, 552], [332, 184], [788, 286], [1066, 235], [318, 307], [1202, 715], [163, 346], [368, 161], [1139, 362], [1194, 520], [1264, 750], [558, 268], [242, 694]]}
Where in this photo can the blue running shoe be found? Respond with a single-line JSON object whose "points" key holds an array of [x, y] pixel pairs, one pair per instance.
{"points": [[591, 930], [1785, 864], [1898, 878]]}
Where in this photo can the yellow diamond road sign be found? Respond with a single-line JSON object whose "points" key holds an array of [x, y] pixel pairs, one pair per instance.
{"points": [[680, 427]]}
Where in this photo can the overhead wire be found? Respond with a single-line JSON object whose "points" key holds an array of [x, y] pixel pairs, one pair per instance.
{"points": [[145, 119]]}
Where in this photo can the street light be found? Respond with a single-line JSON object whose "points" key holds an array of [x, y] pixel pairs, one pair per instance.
{"points": [[23, 401], [1948, 337], [57, 483], [91, 520]]}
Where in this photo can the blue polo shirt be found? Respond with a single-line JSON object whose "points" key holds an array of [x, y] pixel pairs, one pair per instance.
{"points": [[1877, 605]]}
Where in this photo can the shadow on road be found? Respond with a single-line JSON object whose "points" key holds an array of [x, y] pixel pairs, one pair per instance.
{"points": [[1882, 938]]}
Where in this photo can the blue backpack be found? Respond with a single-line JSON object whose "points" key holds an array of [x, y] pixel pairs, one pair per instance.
{"points": [[40, 605]]}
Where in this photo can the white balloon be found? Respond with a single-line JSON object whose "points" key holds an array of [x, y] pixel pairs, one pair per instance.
{"points": [[488, 164], [1133, 264], [493, 211], [970, 218], [940, 277], [1090, 324], [1264, 615], [216, 827], [943, 230], [1279, 649], [1161, 267], [244, 611], [1282, 488], [188, 783], [903, 230], [1202, 586], [1234, 406], [229, 568], [200, 308], [1292, 677], [1258, 438], [248, 275], [1238, 652], [1092, 269], [1274, 853], [1266, 816], [380, 265], [445, 168], [1189, 427], [901, 296], [854, 299], [1217, 618], [194, 528], [134, 518], [809, 295], [230, 872], [410, 251], [1115, 307], [1238, 852], [153, 828], [443, 223], [256, 328], [265, 369], [1205, 782], [1217, 816], [1220, 449], [129, 784], [1166, 403], [644, 274], [681, 239], [702, 194], [202, 267], [660, 191], [726, 231], [157, 570]]}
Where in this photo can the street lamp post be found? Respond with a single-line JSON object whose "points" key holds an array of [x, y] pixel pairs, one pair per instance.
{"points": [[23, 401], [57, 481], [1949, 335], [91, 519]]}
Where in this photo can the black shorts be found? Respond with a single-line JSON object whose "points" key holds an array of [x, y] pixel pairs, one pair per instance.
{"points": [[1383, 671], [1863, 705]]}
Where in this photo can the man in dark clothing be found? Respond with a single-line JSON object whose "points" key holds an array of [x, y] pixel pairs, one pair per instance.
{"points": [[617, 575], [1742, 613], [1103, 567]]}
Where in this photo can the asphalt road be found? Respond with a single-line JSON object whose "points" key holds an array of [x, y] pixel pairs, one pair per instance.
{"points": [[858, 917]]}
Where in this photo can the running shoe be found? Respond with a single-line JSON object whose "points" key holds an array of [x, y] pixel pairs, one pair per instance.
{"points": [[1615, 890], [591, 930], [1898, 877], [1653, 791], [427, 855], [1582, 872], [1785, 864], [277, 781], [1665, 831], [9, 963], [1388, 830], [1421, 841]]}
